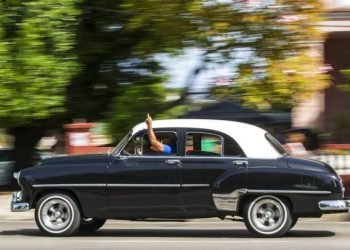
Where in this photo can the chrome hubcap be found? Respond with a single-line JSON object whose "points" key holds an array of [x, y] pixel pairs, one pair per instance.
{"points": [[267, 215], [56, 214]]}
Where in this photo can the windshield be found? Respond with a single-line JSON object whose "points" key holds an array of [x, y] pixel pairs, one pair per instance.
{"points": [[121, 144], [275, 144]]}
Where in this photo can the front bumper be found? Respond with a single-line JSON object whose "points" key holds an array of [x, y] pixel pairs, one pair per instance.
{"points": [[16, 203], [335, 205]]}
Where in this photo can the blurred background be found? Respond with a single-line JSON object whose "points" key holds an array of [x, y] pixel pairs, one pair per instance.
{"points": [[76, 75]]}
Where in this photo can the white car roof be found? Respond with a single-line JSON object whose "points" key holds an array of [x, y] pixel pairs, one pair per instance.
{"points": [[251, 138]]}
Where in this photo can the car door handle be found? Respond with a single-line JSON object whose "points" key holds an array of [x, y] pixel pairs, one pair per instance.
{"points": [[240, 164], [172, 162]]}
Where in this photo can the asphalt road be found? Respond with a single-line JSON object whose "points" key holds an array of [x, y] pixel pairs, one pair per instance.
{"points": [[19, 231], [194, 234]]}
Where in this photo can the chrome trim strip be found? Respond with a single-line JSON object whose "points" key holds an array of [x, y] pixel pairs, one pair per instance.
{"points": [[262, 191], [143, 185], [195, 185], [120, 185], [70, 185]]}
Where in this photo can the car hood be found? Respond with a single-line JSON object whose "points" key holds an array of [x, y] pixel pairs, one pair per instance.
{"points": [[75, 160]]}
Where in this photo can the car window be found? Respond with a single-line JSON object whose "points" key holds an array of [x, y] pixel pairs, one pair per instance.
{"points": [[231, 148], [203, 144], [140, 145], [209, 144]]}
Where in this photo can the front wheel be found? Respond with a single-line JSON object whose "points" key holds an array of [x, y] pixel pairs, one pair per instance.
{"points": [[267, 216], [57, 214]]}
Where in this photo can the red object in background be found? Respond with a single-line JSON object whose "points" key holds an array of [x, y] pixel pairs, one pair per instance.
{"points": [[336, 146], [78, 139], [346, 183]]}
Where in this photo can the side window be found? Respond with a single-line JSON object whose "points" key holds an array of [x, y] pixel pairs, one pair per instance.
{"points": [[231, 148], [140, 145], [207, 144], [168, 138], [203, 144]]}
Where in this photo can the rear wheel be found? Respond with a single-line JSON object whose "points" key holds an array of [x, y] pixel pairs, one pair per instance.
{"points": [[267, 216], [57, 214], [91, 224]]}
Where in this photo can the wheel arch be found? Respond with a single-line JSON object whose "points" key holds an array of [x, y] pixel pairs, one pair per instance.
{"points": [[249, 197], [42, 193]]}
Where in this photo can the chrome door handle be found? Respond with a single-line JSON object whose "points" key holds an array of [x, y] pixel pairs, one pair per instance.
{"points": [[172, 162], [240, 164]]}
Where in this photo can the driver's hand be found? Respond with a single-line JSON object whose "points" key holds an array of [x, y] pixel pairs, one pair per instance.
{"points": [[148, 120]]}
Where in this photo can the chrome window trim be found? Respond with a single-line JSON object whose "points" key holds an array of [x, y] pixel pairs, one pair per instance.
{"points": [[216, 157], [183, 157], [122, 157]]}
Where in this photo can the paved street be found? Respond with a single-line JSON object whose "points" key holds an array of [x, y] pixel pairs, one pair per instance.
{"points": [[19, 231]]}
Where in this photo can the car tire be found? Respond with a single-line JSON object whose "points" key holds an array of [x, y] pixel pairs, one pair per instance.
{"points": [[267, 216], [294, 221], [57, 214], [90, 224]]}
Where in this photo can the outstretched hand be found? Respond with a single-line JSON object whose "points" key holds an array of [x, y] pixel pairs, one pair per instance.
{"points": [[148, 120]]}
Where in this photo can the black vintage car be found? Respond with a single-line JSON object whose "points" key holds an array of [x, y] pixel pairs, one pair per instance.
{"points": [[219, 169]]}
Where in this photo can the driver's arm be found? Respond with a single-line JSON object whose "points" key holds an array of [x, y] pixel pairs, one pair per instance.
{"points": [[155, 144]]}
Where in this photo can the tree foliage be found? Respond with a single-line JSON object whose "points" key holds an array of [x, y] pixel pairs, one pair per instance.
{"points": [[113, 67], [268, 43], [37, 38]]}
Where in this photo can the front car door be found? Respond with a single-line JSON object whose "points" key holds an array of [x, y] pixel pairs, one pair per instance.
{"points": [[142, 182], [213, 166]]}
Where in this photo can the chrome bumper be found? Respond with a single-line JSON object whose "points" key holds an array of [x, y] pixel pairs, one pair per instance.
{"points": [[16, 203], [335, 205]]}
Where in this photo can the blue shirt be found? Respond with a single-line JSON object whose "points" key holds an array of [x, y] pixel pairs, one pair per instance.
{"points": [[168, 149]]}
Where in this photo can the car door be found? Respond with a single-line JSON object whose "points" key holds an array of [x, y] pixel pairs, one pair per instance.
{"points": [[140, 182], [212, 163]]}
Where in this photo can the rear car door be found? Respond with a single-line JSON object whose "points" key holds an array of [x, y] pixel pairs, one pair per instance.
{"points": [[212, 163]]}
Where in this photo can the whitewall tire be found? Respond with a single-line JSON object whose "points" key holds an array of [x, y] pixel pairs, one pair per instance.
{"points": [[267, 216], [57, 214]]}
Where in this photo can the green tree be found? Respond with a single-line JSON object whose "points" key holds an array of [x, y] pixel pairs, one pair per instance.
{"points": [[37, 62], [346, 85]]}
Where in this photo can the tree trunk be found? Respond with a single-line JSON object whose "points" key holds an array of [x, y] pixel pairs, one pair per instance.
{"points": [[25, 139]]}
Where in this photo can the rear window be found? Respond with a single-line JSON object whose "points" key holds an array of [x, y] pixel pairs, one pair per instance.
{"points": [[275, 144]]}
